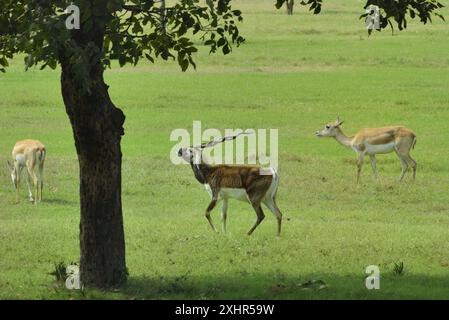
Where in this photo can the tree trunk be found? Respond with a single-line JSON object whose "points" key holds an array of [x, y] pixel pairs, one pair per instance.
{"points": [[97, 128], [290, 4]]}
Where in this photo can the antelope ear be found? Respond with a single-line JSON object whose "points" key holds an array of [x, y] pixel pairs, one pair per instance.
{"points": [[339, 122], [10, 166]]}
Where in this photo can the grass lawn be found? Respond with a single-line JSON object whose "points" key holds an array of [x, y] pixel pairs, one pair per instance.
{"points": [[294, 73]]}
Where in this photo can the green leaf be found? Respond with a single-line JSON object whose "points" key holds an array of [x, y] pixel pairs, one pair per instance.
{"points": [[221, 42], [440, 16], [363, 15], [3, 62], [226, 49], [122, 60], [184, 64], [150, 58]]}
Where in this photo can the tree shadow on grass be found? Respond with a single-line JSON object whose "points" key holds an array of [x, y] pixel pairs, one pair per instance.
{"points": [[259, 286]]}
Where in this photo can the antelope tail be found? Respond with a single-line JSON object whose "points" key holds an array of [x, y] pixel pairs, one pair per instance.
{"points": [[41, 155]]}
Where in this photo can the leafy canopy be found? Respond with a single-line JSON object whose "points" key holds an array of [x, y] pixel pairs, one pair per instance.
{"points": [[121, 30], [391, 10], [128, 31]]}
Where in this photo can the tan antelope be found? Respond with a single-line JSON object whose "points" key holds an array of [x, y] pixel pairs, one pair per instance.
{"points": [[223, 182], [372, 141], [29, 154]]}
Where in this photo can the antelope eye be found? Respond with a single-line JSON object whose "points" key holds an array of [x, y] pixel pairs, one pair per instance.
{"points": [[328, 127]]}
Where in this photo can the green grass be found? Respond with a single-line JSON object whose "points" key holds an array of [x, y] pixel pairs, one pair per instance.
{"points": [[294, 74]]}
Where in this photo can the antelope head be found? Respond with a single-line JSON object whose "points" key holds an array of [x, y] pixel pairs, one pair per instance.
{"points": [[193, 154], [330, 129]]}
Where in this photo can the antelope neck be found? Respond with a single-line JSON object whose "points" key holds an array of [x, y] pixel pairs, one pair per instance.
{"points": [[201, 171], [343, 139]]}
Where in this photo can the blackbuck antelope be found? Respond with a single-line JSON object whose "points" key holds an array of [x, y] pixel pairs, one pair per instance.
{"points": [[29, 154], [223, 182], [372, 141]]}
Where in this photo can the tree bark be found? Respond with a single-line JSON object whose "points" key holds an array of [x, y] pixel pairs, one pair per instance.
{"points": [[97, 128], [290, 4]]}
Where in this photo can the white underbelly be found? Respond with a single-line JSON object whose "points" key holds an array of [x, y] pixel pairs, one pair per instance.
{"points": [[20, 158], [379, 148], [230, 193]]}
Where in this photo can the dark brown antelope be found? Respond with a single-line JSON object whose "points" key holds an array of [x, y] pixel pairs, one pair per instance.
{"points": [[251, 184], [29, 154], [372, 141]]}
